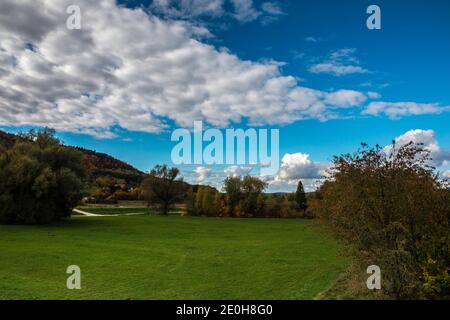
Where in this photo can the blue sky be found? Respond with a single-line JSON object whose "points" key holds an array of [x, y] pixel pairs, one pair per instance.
{"points": [[407, 61]]}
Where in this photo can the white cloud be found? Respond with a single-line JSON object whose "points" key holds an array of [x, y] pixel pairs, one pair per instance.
{"points": [[446, 174], [188, 8], [426, 137], [237, 171], [345, 98], [396, 109], [129, 69], [244, 10], [373, 95], [339, 63], [295, 167], [271, 12], [299, 166], [312, 39], [272, 8], [336, 69], [202, 174]]}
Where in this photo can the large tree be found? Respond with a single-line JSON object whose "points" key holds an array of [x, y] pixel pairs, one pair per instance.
{"points": [[41, 180], [395, 212], [162, 189]]}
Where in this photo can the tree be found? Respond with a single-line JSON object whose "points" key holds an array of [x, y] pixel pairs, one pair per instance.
{"points": [[219, 204], [162, 189], [190, 202], [300, 197], [260, 206], [41, 180], [285, 210], [273, 207], [199, 201], [242, 194], [232, 186], [251, 188], [395, 212], [208, 202]]}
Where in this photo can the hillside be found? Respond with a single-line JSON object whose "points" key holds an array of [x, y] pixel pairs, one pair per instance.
{"points": [[6, 139], [98, 164], [104, 165]]}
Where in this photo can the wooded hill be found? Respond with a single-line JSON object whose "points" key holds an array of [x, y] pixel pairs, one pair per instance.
{"points": [[98, 164]]}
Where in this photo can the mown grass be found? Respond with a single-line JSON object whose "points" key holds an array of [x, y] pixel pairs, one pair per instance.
{"points": [[155, 257]]}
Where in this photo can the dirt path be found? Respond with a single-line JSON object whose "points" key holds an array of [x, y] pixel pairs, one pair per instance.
{"points": [[88, 214]]}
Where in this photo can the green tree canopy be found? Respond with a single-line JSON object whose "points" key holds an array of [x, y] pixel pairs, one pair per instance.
{"points": [[41, 180]]}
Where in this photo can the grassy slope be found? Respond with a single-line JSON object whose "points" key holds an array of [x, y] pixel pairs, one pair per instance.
{"points": [[153, 257]]}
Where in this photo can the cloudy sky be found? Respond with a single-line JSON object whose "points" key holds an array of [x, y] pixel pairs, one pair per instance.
{"points": [[136, 70]]}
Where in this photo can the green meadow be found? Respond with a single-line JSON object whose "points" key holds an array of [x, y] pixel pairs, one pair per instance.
{"points": [[172, 257]]}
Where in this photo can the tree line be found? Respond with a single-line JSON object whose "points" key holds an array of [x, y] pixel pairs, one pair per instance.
{"points": [[244, 197]]}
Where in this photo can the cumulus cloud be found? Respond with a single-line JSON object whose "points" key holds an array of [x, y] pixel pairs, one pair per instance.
{"points": [[299, 166], [339, 63], [397, 109], [202, 174], [126, 68], [295, 167], [426, 137], [345, 98], [235, 171]]}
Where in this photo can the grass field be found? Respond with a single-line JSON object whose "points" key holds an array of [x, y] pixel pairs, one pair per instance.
{"points": [[155, 257]]}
